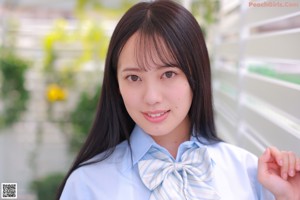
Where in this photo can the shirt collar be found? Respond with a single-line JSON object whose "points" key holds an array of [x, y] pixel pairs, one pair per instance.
{"points": [[141, 142]]}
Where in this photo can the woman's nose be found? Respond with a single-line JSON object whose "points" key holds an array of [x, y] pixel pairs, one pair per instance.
{"points": [[152, 93]]}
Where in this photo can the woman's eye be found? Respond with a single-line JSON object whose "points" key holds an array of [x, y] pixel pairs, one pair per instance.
{"points": [[133, 78], [169, 74]]}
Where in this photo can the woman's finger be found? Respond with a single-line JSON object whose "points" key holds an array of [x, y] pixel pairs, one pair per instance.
{"points": [[263, 171], [298, 164], [285, 165], [292, 163], [277, 155]]}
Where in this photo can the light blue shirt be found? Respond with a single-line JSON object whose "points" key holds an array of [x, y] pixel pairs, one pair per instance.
{"points": [[117, 177]]}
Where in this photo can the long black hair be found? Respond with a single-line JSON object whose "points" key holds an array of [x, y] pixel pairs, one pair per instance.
{"points": [[155, 21]]}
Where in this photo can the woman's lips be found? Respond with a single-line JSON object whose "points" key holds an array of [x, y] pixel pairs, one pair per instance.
{"points": [[156, 116]]}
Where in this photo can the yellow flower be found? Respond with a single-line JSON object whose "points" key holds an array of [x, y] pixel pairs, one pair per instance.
{"points": [[56, 93]]}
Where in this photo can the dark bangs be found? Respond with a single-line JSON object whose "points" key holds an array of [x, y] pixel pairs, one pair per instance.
{"points": [[151, 49]]}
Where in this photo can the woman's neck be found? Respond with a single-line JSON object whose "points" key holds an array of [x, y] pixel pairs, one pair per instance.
{"points": [[171, 143]]}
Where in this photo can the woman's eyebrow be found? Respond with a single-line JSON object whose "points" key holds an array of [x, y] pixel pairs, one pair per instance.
{"points": [[130, 69], [138, 69]]}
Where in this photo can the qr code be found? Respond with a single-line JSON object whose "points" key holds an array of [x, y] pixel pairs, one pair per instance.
{"points": [[9, 190]]}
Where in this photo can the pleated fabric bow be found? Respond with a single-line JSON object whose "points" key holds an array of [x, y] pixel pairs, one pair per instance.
{"points": [[184, 180]]}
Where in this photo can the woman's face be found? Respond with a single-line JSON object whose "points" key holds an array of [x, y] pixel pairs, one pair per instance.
{"points": [[157, 99]]}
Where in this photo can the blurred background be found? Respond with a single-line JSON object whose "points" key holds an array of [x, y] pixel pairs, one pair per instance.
{"points": [[51, 66]]}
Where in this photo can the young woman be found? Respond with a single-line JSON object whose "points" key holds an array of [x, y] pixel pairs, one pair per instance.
{"points": [[154, 135]]}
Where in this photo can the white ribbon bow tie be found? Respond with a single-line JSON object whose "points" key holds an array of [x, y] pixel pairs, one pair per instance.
{"points": [[169, 180]]}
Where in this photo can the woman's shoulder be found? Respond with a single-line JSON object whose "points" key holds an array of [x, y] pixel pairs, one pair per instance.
{"points": [[230, 152], [98, 175], [235, 171], [118, 154], [238, 167], [118, 157], [104, 164]]}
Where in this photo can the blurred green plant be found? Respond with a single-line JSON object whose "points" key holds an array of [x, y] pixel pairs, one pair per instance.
{"points": [[13, 93], [46, 187], [91, 42], [206, 12], [87, 41], [82, 117], [97, 6]]}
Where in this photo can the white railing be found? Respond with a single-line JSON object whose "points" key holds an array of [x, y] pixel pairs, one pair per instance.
{"points": [[256, 75]]}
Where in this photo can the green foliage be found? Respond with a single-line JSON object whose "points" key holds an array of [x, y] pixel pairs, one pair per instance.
{"points": [[90, 44], [13, 93], [205, 9], [88, 40], [82, 118], [95, 5], [46, 187], [206, 12]]}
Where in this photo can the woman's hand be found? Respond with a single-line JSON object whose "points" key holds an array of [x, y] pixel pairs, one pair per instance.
{"points": [[279, 172]]}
